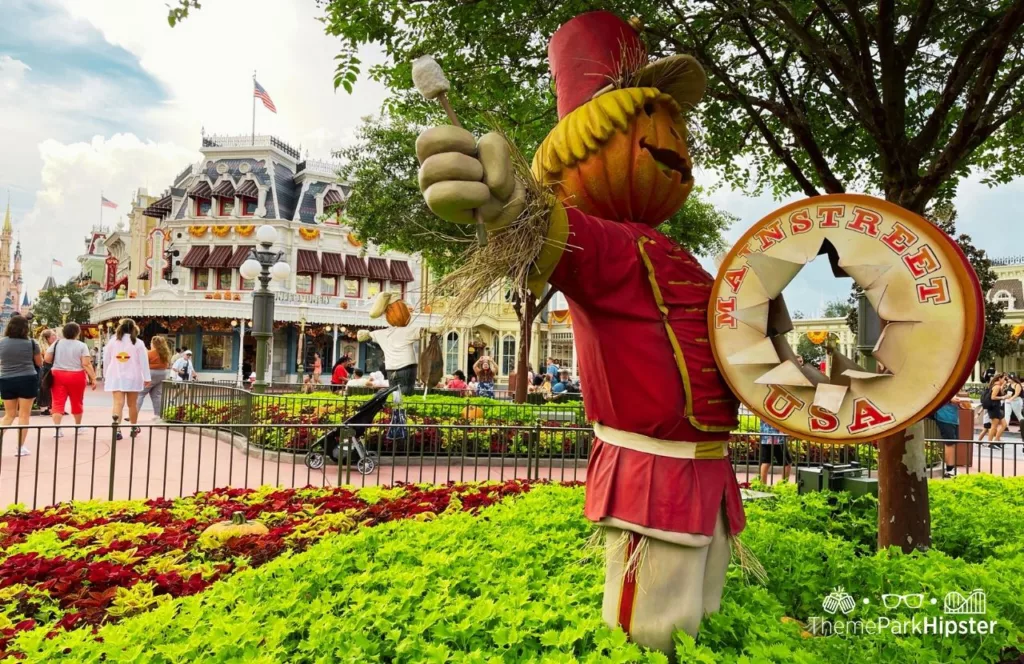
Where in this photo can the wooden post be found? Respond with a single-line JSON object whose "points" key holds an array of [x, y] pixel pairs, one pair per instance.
{"points": [[903, 514]]}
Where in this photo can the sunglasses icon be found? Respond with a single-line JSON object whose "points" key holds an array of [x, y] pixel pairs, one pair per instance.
{"points": [[913, 601]]}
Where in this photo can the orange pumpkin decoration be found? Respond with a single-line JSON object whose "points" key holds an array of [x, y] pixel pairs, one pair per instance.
{"points": [[621, 156], [473, 413], [398, 314]]}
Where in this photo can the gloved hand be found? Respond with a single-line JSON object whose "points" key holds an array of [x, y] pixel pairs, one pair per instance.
{"points": [[459, 174], [363, 336]]}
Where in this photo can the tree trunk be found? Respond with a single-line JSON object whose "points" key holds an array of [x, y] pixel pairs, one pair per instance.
{"points": [[904, 518], [526, 316], [903, 515]]}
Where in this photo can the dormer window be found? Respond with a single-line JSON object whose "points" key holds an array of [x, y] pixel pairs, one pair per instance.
{"points": [[227, 207], [247, 206], [203, 206]]}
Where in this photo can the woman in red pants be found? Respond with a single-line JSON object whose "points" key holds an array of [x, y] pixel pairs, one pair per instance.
{"points": [[72, 371]]}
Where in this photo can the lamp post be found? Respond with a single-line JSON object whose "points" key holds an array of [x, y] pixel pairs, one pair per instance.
{"points": [[65, 309], [241, 348], [265, 264], [334, 348], [302, 339]]}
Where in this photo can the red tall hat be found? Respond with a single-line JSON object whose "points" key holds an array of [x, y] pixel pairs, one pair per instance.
{"points": [[598, 51]]}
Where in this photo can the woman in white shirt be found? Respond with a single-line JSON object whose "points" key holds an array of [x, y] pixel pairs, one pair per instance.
{"points": [[71, 371], [126, 371]]}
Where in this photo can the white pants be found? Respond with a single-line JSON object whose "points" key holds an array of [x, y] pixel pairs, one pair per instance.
{"points": [[672, 588], [1014, 405]]}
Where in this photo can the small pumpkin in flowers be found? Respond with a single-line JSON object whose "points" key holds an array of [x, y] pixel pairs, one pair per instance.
{"points": [[237, 526], [473, 413]]}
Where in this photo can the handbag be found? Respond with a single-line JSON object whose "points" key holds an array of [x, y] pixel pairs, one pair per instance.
{"points": [[46, 382]]}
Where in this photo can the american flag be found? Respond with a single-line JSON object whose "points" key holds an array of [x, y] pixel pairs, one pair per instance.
{"points": [[57, 262], [105, 202], [259, 92]]}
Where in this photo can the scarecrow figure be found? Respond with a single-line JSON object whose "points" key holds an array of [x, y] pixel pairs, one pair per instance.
{"points": [[659, 478], [397, 341]]}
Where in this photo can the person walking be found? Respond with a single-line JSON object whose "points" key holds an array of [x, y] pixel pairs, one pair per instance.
{"points": [[991, 403], [318, 368], [773, 450], [126, 372], [44, 400], [19, 377], [182, 368], [71, 372], [1013, 404], [947, 418], [159, 358], [484, 369]]}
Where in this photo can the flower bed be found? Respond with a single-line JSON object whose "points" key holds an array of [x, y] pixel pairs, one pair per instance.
{"points": [[520, 584], [431, 424], [90, 563]]}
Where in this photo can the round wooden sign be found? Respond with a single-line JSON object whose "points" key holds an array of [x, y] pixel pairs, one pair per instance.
{"points": [[916, 278]]}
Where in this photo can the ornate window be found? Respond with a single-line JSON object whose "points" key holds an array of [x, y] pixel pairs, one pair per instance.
{"points": [[508, 354], [1004, 297], [451, 352]]}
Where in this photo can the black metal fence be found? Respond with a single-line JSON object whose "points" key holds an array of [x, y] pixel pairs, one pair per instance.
{"points": [[167, 460], [206, 403]]}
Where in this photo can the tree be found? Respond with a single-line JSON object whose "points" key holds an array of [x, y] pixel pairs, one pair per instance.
{"points": [[797, 315], [902, 98], [46, 310], [812, 354], [838, 308]]}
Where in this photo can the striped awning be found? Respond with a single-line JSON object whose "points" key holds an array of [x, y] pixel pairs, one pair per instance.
{"points": [[332, 264], [159, 208], [355, 267], [200, 190], [332, 197], [379, 269], [240, 256], [308, 262], [219, 257], [248, 188], [196, 257], [401, 272], [225, 189]]}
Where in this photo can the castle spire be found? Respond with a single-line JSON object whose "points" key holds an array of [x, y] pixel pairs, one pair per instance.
{"points": [[7, 216]]}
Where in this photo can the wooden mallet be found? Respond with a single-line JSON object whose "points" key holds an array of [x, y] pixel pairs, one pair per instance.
{"points": [[429, 79]]}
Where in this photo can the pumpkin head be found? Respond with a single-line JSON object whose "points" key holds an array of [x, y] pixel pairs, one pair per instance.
{"points": [[621, 156], [223, 531], [398, 314]]}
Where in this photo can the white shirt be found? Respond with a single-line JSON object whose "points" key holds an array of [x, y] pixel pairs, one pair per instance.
{"points": [[398, 344], [125, 365]]}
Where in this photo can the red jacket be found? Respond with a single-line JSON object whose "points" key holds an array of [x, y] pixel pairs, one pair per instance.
{"points": [[340, 375], [639, 310]]}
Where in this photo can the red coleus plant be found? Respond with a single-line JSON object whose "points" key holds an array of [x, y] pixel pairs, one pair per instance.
{"points": [[156, 542]]}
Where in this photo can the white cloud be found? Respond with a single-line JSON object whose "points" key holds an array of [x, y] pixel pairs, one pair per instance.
{"points": [[67, 203]]}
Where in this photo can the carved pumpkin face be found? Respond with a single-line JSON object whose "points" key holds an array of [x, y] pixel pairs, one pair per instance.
{"points": [[641, 174], [397, 314]]}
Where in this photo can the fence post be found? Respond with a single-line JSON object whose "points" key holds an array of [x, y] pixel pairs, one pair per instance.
{"points": [[536, 443], [113, 459]]}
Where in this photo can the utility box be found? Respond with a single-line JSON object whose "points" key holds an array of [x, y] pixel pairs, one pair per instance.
{"points": [[835, 477]]}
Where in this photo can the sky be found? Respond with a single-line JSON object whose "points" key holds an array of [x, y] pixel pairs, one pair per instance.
{"points": [[104, 97]]}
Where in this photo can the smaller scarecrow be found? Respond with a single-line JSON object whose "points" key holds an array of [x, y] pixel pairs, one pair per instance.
{"points": [[398, 341]]}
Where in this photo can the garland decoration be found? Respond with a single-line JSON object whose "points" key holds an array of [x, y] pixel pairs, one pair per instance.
{"points": [[197, 231], [245, 230], [221, 231], [309, 233]]}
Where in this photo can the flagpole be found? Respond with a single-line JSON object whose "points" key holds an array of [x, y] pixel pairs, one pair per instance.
{"points": [[254, 107], [101, 208]]}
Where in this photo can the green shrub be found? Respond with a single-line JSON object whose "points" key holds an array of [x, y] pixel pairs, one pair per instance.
{"points": [[519, 584]]}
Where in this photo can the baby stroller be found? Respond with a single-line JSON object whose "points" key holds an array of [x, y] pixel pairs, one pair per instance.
{"points": [[350, 435]]}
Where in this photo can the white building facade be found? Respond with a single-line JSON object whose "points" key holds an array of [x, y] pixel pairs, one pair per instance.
{"points": [[206, 221]]}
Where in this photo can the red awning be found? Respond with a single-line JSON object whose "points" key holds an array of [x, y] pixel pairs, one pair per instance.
{"points": [[379, 269], [355, 267], [308, 261], [400, 272], [123, 281], [332, 264], [195, 257], [225, 189], [219, 257], [240, 256], [248, 188], [332, 197], [200, 190]]}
